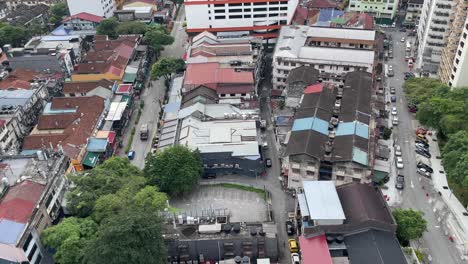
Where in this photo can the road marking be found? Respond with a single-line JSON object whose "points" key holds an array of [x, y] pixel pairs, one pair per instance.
{"points": [[412, 185], [437, 226], [406, 141]]}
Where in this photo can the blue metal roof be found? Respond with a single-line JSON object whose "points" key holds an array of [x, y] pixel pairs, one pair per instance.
{"points": [[47, 110], [97, 145], [328, 14], [350, 128], [11, 231], [311, 123], [15, 98], [359, 156], [172, 107]]}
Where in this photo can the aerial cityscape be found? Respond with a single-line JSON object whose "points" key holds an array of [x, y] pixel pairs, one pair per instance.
{"points": [[234, 132]]}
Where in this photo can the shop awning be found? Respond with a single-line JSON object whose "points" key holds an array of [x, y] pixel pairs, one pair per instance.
{"points": [[126, 99], [124, 89], [97, 145], [90, 159], [116, 110]]}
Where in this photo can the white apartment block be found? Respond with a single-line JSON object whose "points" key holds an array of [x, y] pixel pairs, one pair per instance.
{"points": [[332, 51], [260, 18], [413, 13], [432, 32], [459, 76], [102, 8], [381, 9]]}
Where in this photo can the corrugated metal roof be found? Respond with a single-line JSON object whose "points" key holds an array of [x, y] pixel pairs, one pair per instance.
{"points": [[315, 250], [116, 110], [91, 159], [359, 156], [97, 145], [11, 231], [303, 204], [311, 123], [350, 128], [322, 200]]}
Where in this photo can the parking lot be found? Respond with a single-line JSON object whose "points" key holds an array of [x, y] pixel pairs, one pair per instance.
{"points": [[243, 206]]}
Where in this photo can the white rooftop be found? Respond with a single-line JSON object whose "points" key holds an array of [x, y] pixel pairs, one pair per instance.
{"points": [[337, 55], [322, 200], [341, 33], [216, 111], [236, 136]]}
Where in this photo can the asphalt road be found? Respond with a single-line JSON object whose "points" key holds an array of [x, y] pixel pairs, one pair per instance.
{"points": [[154, 94], [434, 242]]}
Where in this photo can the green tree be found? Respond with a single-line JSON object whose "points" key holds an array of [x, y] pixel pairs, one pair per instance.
{"points": [[14, 35], [108, 27], [69, 238], [165, 67], [113, 175], [58, 12], [175, 170], [157, 38], [131, 27], [132, 236], [411, 224], [455, 160]]}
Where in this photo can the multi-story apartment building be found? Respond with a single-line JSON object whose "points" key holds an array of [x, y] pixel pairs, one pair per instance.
{"points": [[260, 18], [104, 8], [413, 13], [332, 51], [12, 4], [454, 66], [331, 136], [383, 10], [432, 33]]}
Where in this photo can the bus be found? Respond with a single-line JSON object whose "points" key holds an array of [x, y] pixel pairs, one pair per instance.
{"points": [[144, 132]]}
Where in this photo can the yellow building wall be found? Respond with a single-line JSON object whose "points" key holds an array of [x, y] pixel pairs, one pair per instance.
{"points": [[95, 77]]}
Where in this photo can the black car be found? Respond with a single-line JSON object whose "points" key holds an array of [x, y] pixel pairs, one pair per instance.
{"points": [[422, 148], [393, 99], [423, 153], [400, 182], [289, 228], [424, 143], [425, 166]]}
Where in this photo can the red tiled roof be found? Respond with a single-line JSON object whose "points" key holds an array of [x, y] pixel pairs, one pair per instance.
{"points": [[19, 202], [211, 73], [85, 87], [315, 88], [124, 89], [75, 134], [19, 79], [300, 16], [84, 16], [96, 56], [323, 4], [235, 89], [315, 250], [2, 122], [59, 121]]}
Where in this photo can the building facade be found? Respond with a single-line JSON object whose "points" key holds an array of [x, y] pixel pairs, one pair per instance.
{"points": [[103, 8], [262, 18], [453, 66], [433, 27], [82, 21], [332, 51], [383, 10], [413, 13]]}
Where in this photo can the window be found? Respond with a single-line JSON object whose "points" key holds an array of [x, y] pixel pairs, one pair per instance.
{"points": [[283, 22], [49, 199], [243, 94], [321, 66], [235, 10], [346, 68], [26, 243], [260, 3], [223, 95], [219, 11], [459, 53], [296, 171], [452, 77], [457, 61], [464, 35], [273, 8], [235, 4], [286, 63], [357, 180], [261, 9], [72, 94], [273, 15], [235, 17], [390, 8], [220, 17], [247, 16], [232, 94], [293, 64], [284, 8], [219, 5], [31, 253], [462, 44], [260, 15], [247, 10], [454, 69], [247, 4], [38, 259], [310, 173], [340, 178]]}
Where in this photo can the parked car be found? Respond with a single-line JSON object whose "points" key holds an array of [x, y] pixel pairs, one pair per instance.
{"points": [[402, 39], [424, 143], [421, 146], [423, 172], [390, 73], [395, 121], [289, 228], [394, 111], [399, 163], [268, 162], [424, 166], [392, 90], [295, 258], [400, 182], [412, 108], [393, 98], [209, 175], [422, 138], [131, 155], [397, 150], [423, 153], [293, 246]]}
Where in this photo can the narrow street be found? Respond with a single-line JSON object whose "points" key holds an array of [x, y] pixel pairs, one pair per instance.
{"points": [[153, 95], [434, 242]]}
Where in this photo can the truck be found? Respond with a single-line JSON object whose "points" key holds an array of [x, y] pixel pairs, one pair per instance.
{"points": [[144, 131]]}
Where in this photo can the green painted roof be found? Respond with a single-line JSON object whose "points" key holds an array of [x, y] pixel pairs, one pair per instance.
{"points": [[90, 159], [129, 77]]}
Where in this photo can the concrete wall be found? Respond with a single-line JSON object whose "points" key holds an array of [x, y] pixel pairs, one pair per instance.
{"points": [[240, 165]]}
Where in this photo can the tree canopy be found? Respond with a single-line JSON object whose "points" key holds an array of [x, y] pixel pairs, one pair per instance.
{"points": [[445, 110], [131, 27], [165, 67], [115, 218], [57, 12], [175, 170], [14, 35], [108, 27], [157, 38], [411, 224]]}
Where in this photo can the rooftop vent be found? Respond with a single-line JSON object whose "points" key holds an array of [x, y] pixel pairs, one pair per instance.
{"points": [[285, 48]]}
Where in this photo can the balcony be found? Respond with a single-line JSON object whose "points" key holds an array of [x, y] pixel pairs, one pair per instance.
{"points": [[295, 166]]}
